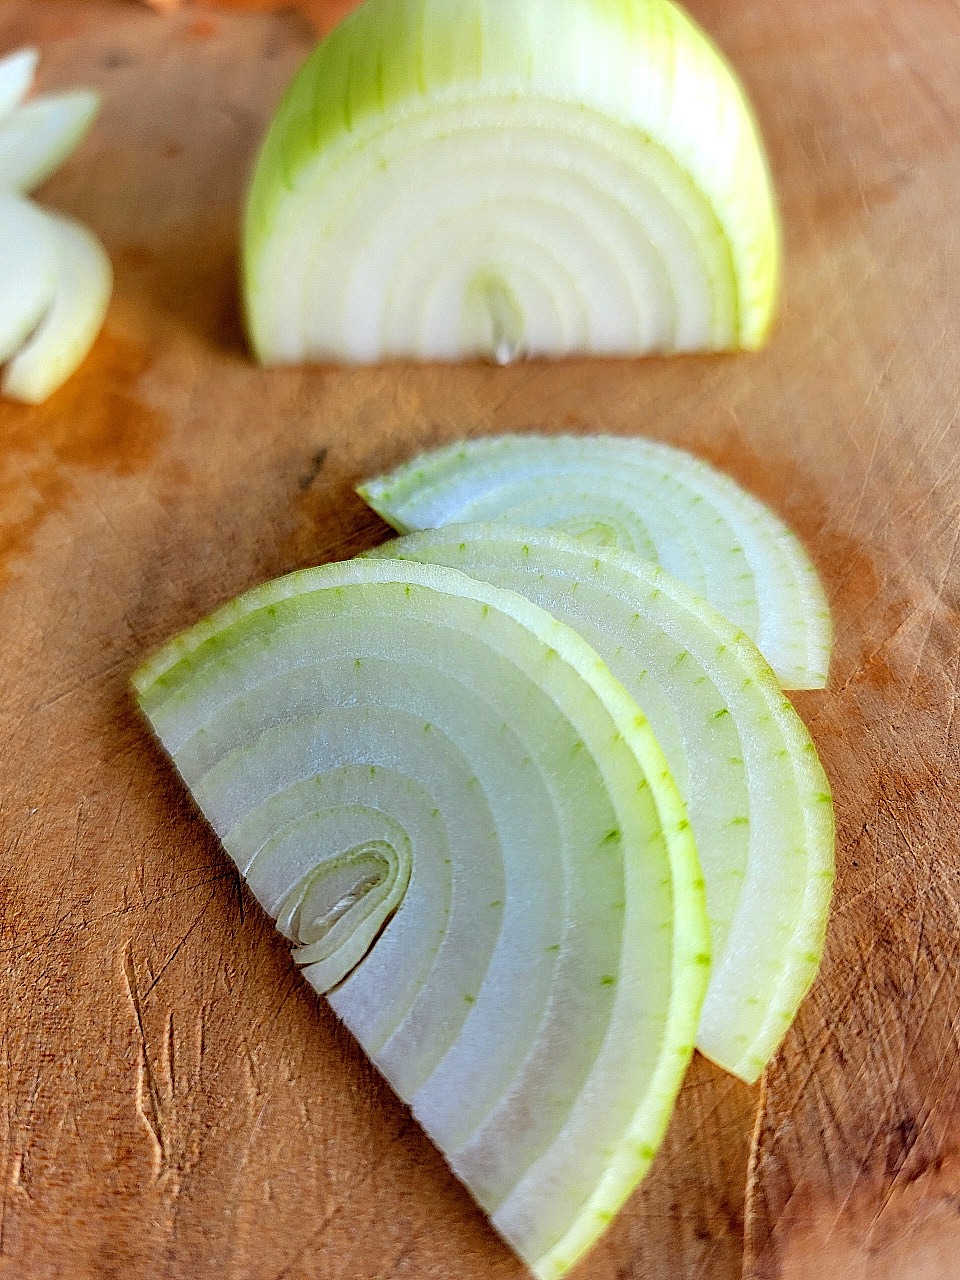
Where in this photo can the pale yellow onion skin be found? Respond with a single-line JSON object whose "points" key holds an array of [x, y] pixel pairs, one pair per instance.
{"points": [[593, 175]]}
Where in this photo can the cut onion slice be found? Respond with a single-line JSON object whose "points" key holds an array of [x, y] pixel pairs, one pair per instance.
{"points": [[757, 795], [642, 497], [450, 178], [37, 137], [16, 76], [378, 734], [28, 270], [83, 280]]}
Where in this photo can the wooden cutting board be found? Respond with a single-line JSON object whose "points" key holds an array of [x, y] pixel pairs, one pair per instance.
{"points": [[176, 1102]]}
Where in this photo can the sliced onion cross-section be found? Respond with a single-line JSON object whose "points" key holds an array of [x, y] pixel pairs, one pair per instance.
{"points": [[461, 820]]}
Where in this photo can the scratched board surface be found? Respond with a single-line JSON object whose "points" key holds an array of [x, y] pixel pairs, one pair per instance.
{"points": [[176, 1102]]}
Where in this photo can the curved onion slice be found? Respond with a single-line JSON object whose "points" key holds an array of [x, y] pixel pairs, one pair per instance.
{"points": [[28, 270], [447, 178], [68, 330], [644, 497], [756, 793], [535, 996], [37, 137], [16, 76]]}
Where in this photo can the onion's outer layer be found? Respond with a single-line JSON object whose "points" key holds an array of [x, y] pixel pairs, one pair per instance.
{"points": [[757, 796], [74, 314], [28, 270], [644, 497], [37, 137], [16, 76], [448, 178], [382, 731]]}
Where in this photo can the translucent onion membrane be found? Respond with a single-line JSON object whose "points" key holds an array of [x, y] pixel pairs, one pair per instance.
{"points": [[16, 76], [55, 282], [37, 137], [460, 818], [757, 796], [449, 178], [647, 498]]}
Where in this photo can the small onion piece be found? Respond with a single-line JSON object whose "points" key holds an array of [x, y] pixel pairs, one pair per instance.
{"points": [[654, 500], [757, 796], [28, 270], [37, 137], [16, 76], [453, 178], [446, 785], [82, 283]]}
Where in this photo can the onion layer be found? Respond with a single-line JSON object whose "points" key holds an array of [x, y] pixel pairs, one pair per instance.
{"points": [[381, 739], [757, 796], [648, 498]]}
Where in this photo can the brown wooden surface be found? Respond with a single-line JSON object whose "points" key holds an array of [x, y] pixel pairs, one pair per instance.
{"points": [[176, 1103]]}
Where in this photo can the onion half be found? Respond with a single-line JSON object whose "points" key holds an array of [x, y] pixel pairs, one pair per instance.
{"points": [[449, 178]]}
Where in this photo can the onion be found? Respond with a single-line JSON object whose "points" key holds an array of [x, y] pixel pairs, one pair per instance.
{"points": [[757, 796], [55, 277], [449, 178], [82, 280], [648, 498], [28, 270], [37, 137], [16, 76], [457, 815]]}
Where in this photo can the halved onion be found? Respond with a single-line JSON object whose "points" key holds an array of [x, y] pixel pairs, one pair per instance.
{"points": [[757, 796], [63, 336], [37, 137], [16, 76], [448, 178], [28, 270], [378, 737], [656, 501]]}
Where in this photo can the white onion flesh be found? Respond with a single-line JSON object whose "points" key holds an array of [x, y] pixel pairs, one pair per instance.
{"points": [[380, 732], [37, 137], [453, 178], [28, 270], [73, 315], [757, 797], [16, 76], [640, 496]]}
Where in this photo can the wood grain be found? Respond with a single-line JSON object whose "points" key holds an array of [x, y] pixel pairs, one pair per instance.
{"points": [[175, 1101]]}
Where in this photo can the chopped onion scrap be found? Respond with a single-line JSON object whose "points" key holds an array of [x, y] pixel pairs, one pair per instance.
{"points": [[450, 178], [16, 76], [55, 276], [28, 270], [758, 798], [37, 137], [471, 836], [67, 331], [654, 500]]}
